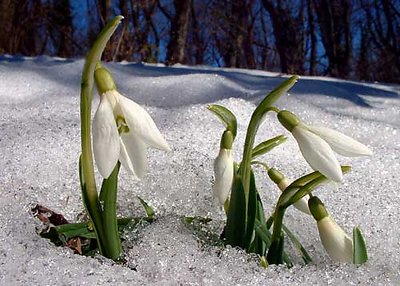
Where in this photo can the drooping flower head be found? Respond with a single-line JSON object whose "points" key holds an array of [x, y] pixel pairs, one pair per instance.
{"points": [[318, 143], [122, 130], [224, 168], [282, 182], [336, 242]]}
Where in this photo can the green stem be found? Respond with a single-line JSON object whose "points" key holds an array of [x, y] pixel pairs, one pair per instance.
{"points": [[274, 253], [90, 196], [108, 198], [255, 121]]}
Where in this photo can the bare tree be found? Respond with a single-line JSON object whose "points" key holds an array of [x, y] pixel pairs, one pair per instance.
{"points": [[289, 33], [383, 27], [334, 18], [313, 38], [233, 32], [144, 29], [178, 32], [60, 28]]}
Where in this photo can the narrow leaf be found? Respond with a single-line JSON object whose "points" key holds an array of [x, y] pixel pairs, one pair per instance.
{"points": [[251, 212], [236, 217], [293, 193], [75, 229], [260, 246], [275, 94], [300, 182], [267, 146], [108, 196], [226, 116], [149, 210], [360, 254], [306, 257], [275, 251], [263, 232]]}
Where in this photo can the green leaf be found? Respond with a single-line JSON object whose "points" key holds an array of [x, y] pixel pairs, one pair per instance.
{"points": [[251, 212], [306, 257], [72, 230], [108, 195], [360, 254], [236, 218], [275, 251], [226, 116], [275, 94], [149, 210], [300, 182], [259, 244], [263, 232], [267, 146], [293, 193]]}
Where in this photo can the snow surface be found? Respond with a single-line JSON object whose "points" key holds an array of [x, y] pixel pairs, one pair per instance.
{"points": [[40, 144]]}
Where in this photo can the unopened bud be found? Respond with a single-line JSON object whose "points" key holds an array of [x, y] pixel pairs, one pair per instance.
{"points": [[288, 119]]}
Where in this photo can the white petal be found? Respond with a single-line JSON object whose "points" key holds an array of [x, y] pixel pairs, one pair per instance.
{"points": [[125, 160], [283, 184], [336, 242], [317, 153], [223, 170], [340, 143], [142, 125], [105, 138], [302, 205], [136, 150]]}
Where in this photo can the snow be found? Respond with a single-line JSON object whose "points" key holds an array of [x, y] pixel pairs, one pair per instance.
{"points": [[40, 145]]}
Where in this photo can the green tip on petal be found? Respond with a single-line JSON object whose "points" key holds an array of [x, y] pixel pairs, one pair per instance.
{"points": [[317, 208], [275, 175], [288, 119], [104, 79], [227, 140]]}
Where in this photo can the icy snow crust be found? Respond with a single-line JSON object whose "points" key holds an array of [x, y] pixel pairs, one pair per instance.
{"points": [[40, 144]]}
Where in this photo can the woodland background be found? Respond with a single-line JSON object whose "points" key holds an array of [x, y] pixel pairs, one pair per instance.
{"points": [[351, 39]]}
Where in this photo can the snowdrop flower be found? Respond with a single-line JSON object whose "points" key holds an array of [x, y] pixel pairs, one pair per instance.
{"points": [[336, 242], [122, 130], [318, 143], [282, 182], [224, 168]]}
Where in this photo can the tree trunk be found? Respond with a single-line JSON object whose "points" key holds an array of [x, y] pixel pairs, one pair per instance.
{"points": [[313, 38], [178, 33], [334, 18], [289, 34]]}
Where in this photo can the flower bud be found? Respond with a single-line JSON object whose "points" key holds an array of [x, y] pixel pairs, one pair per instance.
{"points": [[226, 140], [104, 80], [279, 179], [317, 208], [288, 119], [223, 171], [336, 242]]}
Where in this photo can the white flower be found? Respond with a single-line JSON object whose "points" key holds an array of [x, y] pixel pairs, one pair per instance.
{"points": [[223, 170], [317, 145], [302, 204], [340, 143], [336, 242], [122, 130]]}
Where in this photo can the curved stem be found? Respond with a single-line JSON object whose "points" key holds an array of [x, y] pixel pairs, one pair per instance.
{"points": [[90, 196], [255, 121]]}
